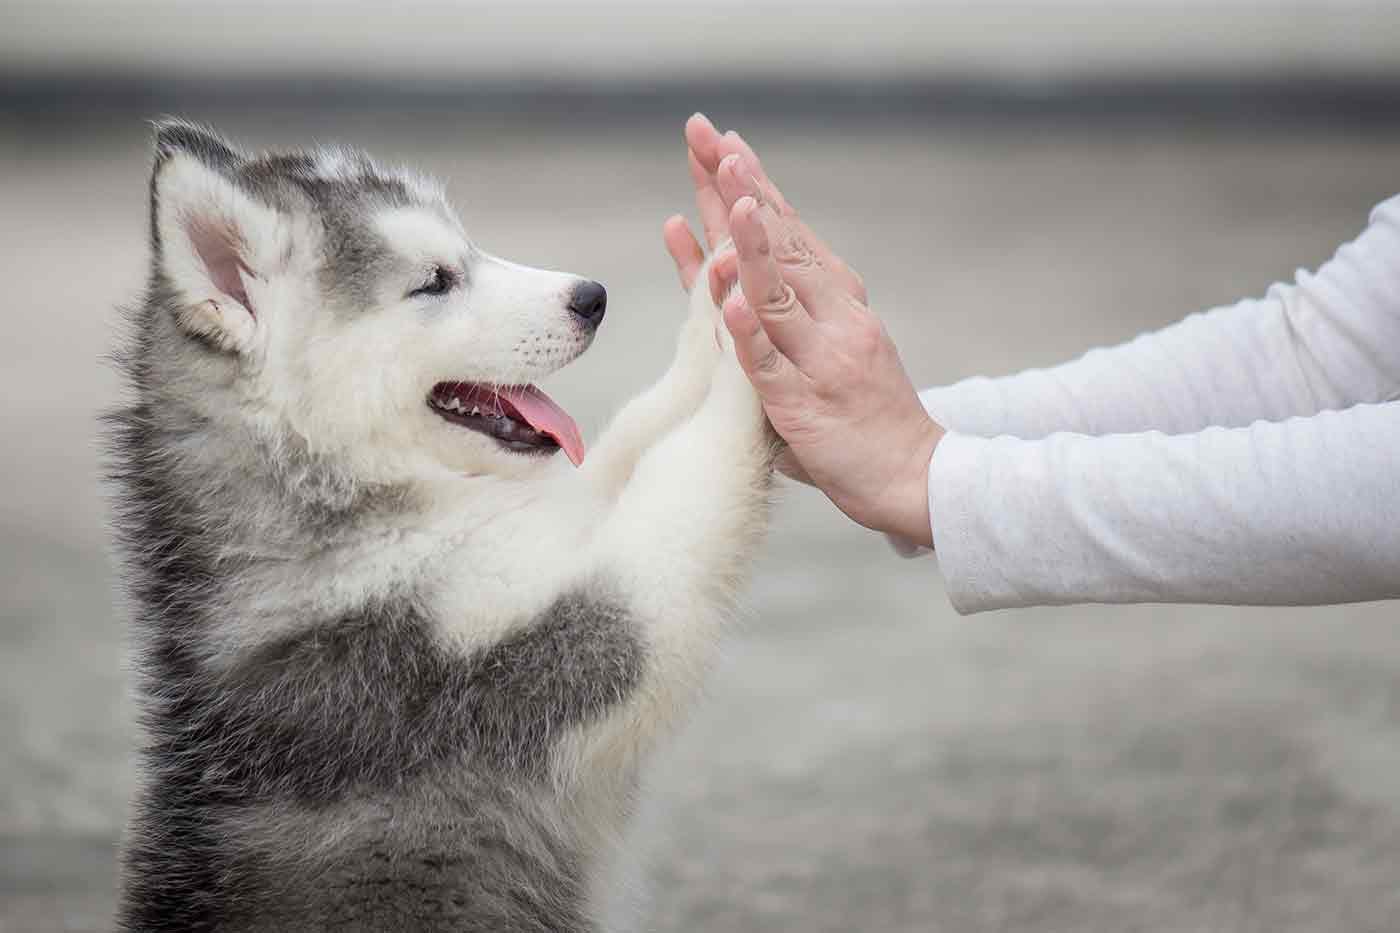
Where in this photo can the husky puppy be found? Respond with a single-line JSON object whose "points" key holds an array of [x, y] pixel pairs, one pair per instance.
{"points": [[399, 665]]}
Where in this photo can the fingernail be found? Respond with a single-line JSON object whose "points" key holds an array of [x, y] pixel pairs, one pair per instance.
{"points": [[736, 164], [747, 176]]}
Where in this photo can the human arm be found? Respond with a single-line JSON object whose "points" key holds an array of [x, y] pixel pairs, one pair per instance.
{"points": [[1304, 511], [1289, 512]]}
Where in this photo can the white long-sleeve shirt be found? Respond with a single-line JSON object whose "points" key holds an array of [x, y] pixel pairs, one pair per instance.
{"points": [[1249, 454]]}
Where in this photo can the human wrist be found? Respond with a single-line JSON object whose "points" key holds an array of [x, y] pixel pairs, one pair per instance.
{"points": [[909, 516]]}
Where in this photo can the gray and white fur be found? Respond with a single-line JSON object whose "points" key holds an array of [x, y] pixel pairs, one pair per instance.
{"points": [[395, 672]]}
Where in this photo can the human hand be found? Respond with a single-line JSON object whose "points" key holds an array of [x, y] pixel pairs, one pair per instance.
{"points": [[829, 376], [706, 150]]}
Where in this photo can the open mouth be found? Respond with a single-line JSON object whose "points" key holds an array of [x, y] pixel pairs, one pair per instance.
{"points": [[521, 419]]}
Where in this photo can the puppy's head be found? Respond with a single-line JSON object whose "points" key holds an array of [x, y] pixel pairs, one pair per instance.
{"points": [[344, 303]]}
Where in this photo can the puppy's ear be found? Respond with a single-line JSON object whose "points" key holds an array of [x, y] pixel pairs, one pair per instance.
{"points": [[210, 236]]}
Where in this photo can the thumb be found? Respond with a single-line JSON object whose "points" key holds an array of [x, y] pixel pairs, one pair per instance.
{"points": [[684, 249]]}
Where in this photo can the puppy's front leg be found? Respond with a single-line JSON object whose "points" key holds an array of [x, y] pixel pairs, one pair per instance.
{"points": [[658, 410], [678, 542]]}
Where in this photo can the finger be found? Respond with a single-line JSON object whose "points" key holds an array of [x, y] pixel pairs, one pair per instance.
{"points": [[784, 318], [739, 174], [714, 213], [821, 294], [731, 143], [771, 373], [684, 250], [724, 272], [703, 140]]}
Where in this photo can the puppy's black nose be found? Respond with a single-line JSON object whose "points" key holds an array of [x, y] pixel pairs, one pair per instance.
{"points": [[589, 301]]}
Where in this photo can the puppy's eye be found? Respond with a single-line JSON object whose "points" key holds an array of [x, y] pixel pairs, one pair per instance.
{"points": [[441, 283]]}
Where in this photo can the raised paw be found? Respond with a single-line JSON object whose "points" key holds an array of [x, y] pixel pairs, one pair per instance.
{"points": [[704, 331], [721, 275]]}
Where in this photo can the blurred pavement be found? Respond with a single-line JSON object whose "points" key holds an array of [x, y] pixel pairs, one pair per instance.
{"points": [[868, 760]]}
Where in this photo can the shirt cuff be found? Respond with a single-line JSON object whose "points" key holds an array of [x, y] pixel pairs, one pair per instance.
{"points": [[957, 480]]}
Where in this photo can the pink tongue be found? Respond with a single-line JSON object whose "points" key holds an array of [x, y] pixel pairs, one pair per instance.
{"points": [[546, 417]]}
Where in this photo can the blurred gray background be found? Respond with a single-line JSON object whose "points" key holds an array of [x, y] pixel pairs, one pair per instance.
{"points": [[1017, 181]]}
